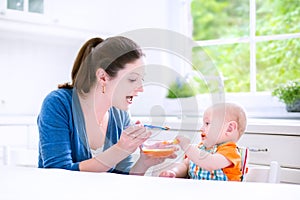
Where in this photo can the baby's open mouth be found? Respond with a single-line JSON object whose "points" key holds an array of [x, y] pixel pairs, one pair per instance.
{"points": [[203, 135], [129, 99]]}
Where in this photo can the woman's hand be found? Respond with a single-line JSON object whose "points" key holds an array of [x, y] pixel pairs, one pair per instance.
{"points": [[149, 160], [132, 137], [145, 162]]}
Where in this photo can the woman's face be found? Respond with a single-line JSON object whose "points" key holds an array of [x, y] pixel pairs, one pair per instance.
{"points": [[127, 84]]}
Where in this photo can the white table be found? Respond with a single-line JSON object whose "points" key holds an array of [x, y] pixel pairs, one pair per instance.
{"points": [[32, 183]]}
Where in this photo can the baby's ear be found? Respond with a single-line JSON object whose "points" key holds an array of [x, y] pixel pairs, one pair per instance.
{"points": [[232, 126]]}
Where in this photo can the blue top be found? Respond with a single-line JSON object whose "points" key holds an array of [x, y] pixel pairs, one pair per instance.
{"points": [[63, 141]]}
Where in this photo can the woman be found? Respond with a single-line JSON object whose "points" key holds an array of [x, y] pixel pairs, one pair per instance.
{"points": [[83, 124]]}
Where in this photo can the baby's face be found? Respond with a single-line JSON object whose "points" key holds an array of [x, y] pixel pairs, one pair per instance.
{"points": [[213, 128]]}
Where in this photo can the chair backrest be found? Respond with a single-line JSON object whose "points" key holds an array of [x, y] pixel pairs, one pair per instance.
{"points": [[244, 160], [266, 174], [256, 173]]}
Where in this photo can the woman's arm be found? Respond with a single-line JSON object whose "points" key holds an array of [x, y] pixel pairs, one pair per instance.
{"points": [[55, 132], [145, 162], [105, 160], [130, 140]]}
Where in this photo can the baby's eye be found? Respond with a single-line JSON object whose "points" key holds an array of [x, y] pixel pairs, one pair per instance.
{"points": [[207, 123]]}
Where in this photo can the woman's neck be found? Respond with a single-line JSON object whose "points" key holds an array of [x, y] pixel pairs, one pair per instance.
{"points": [[95, 104]]}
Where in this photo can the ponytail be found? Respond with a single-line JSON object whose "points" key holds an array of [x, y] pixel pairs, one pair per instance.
{"points": [[83, 53]]}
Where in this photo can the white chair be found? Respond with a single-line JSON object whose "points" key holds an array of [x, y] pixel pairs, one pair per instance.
{"points": [[266, 174], [258, 173]]}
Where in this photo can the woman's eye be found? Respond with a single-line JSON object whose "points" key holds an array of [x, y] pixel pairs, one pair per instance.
{"points": [[135, 79], [132, 79]]}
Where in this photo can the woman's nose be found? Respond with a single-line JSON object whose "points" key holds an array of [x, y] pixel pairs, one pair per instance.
{"points": [[140, 88]]}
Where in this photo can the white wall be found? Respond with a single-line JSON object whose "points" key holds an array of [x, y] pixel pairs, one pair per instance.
{"points": [[36, 56], [30, 69]]}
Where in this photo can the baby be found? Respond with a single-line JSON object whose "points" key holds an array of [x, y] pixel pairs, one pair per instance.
{"points": [[217, 156]]}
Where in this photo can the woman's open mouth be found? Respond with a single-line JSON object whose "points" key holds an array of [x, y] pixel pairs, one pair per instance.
{"points": [[129, 99]]}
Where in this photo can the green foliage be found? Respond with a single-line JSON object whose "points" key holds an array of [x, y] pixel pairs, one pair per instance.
{"points": [[181, 89], [203, 86], [288, 92], [219, 18], [276, 60]]}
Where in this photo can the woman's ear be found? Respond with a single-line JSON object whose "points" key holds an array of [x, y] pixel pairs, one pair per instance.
{"points": [[101, 75]]}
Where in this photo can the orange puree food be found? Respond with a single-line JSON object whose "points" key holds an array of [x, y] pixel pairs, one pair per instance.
{"points": [[159, 152]]}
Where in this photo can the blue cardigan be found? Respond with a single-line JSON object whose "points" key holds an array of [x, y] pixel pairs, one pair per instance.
{"points": [[63, 140]]}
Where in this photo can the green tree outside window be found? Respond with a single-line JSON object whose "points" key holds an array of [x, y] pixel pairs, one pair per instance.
{"points": [[277, 61]]}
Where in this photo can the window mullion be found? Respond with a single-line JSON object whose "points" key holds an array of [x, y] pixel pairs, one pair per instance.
{"points": [[277, 37], [252, 46], [26, 5], [222, 41]]}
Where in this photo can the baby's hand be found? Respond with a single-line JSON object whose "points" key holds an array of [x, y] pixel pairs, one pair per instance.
{"points": [[168, 174], [183, 141]]}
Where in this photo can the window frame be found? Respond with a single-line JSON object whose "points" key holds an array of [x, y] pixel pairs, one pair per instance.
{"points": [[252, 40], [22, 15]]}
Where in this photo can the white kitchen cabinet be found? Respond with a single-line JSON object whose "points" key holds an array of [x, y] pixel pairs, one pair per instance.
{"points": [[115, 16], [79, 14], [18, 141], [59, 18], [84, 19], [13, 135], [283, 148]]}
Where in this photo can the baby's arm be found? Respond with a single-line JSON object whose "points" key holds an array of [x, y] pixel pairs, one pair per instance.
{"points": [[177, 170], [202, 158]]}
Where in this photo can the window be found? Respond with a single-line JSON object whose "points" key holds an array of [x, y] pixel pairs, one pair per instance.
{"points": [[15, 12], [254, 44], [31, 6], [15, 4]]}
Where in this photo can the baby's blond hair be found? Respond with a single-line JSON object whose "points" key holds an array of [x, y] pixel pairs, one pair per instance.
{"points": [[234, 112]]}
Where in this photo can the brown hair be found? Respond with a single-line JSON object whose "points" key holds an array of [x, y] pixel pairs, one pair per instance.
{"points": [[111, 55]]}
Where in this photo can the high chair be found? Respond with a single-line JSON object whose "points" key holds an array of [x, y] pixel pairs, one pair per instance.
{"points": [[266, 174], [244, 160], [255, 173]]}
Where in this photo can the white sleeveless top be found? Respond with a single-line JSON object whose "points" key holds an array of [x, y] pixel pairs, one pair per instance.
{"points": [[97, 151]]}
